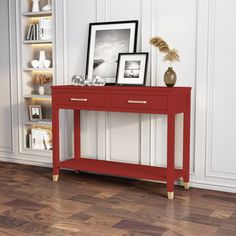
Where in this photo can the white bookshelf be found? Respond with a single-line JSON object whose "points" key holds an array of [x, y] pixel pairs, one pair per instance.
{"points": [[29, 89]]}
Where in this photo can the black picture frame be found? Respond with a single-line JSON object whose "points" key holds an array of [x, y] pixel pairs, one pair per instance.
{"points": [[123, 38], [132, 69]]}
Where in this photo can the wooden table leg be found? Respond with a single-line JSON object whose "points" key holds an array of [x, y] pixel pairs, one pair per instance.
{"points": [[56, 143], [186, 148], [170, 156]]}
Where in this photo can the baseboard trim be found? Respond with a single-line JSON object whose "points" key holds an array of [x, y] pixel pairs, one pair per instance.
{"points": [[25, 162], [213, 186]]}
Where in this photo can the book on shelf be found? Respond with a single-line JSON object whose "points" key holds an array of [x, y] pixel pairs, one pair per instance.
{"points": [[45, 28], [33, 32], [40, 139], [29, 32]]}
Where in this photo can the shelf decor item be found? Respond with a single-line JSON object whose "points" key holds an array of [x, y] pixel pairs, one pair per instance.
{"points": [[35, 5], [35, 112], [171, 55], [77, 80], [98, 81], [131, 69], [42, 63], [35, 64], [41, 80], [47, 7], [45, 28], [106, 40]]}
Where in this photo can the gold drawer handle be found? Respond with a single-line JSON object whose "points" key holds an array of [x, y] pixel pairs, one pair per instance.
{"points": [[137, 102], [79, 99]]}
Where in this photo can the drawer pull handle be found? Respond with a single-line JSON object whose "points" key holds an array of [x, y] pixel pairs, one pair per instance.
{"points": [[137, 102], [79, 99]]}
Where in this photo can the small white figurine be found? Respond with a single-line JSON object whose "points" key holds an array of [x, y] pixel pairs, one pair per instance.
{"points": [[35, 6], [47, 7]]}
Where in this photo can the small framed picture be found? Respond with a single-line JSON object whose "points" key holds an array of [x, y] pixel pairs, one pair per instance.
{"points": [[132, 69], [35, 112]]}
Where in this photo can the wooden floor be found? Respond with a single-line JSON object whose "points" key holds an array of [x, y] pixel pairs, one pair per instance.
{"points": [[86, 204]]}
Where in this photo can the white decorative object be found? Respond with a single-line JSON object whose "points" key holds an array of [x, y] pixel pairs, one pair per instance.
{"points": [[42, 59], [35, 6], [47, 7], [41, 90], [42, 62], [35, 64], [98, 81], [46, 64]]}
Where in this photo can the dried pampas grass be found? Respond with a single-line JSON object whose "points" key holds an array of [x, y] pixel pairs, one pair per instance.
{"points": [[171, 54]]}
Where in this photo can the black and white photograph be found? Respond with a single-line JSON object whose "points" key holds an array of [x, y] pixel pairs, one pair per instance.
{"points": [[106, 41], [35, 112], [131, 69]]}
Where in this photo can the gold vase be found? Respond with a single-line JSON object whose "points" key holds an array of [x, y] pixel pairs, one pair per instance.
{"points": [[170, 77]]}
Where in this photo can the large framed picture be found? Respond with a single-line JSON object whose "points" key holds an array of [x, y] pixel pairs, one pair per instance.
{"points": [[106, 40], [35, 112], [132, 69]]}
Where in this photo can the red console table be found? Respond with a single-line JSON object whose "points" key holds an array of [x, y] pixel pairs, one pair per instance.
{"points": [[152, 100]]}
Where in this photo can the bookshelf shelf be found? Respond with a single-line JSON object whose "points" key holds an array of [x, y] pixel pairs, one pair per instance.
{"points": [[37, 14], [38, 150], [37, 41], [29, 69], [38, 96], [36, 38], [38, 123]]}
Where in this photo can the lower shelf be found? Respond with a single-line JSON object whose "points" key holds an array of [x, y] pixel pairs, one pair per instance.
{"points": [[119, 169]]}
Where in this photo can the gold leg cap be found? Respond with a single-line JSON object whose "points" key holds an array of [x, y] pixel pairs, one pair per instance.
{"points": [[186, 185], [55, 178], [170, 195]]}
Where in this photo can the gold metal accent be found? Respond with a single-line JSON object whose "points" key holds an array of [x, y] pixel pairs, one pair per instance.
{"points": [[170, 195], [186, 185], [55, 178], [137, 102], [79, 99]]}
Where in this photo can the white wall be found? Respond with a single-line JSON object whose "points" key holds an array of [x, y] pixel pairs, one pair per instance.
{"points": [[204, 34]]}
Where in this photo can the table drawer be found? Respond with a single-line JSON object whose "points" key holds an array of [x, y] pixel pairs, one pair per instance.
{"points": [[82, 99], [139, 101]]}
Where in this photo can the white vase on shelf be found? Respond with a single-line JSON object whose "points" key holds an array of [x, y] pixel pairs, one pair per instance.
{"points": [[42, 59], [35, 6], [41, 90]]}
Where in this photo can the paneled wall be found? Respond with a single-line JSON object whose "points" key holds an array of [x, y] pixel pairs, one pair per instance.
{"points": [[6, 139], [203, 33]]}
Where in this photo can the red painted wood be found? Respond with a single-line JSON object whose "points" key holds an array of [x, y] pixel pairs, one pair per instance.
{"points": [[55, 137], [151, 102], [120, 169], [77, 133], [186, 140], [80, 99], [159, 100]]}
